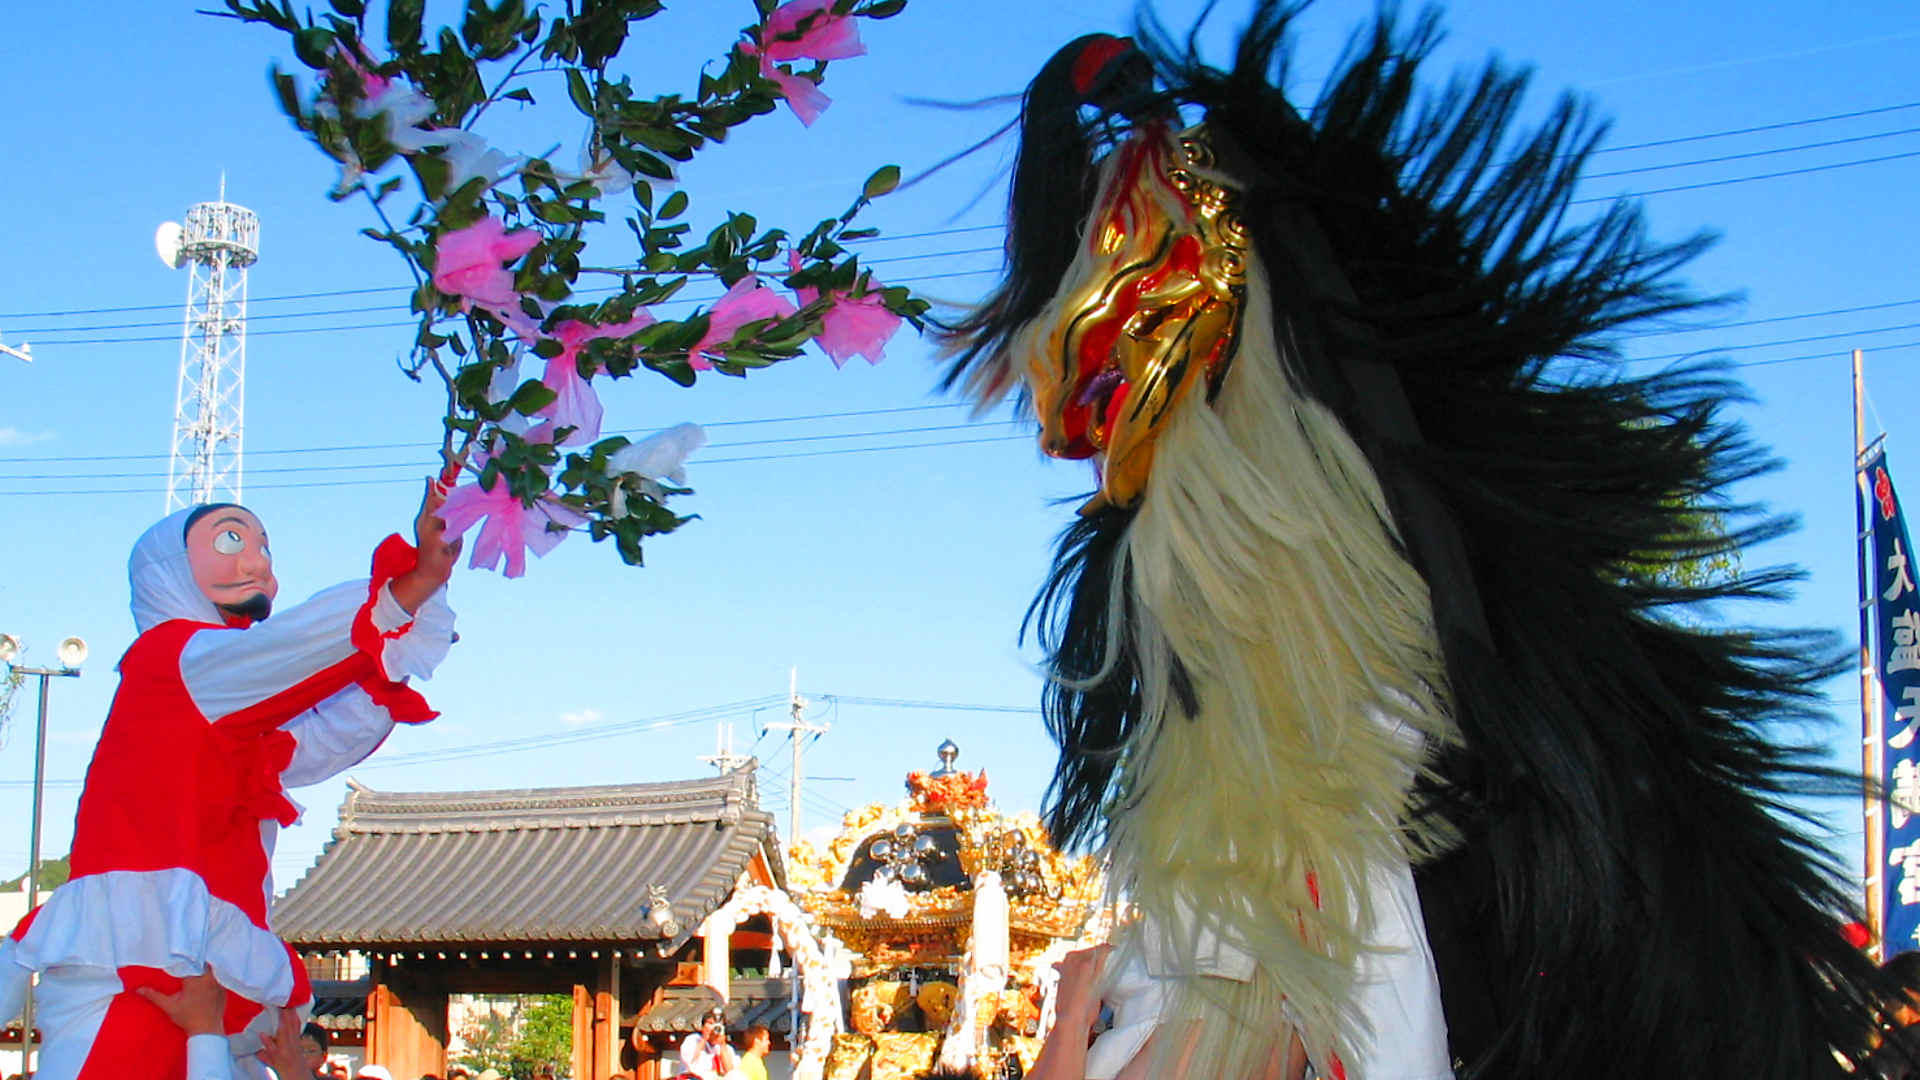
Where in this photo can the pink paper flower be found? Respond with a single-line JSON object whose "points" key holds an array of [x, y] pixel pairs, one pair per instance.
{"points": [[853, 326], [576, 405], [511, 529], [804, 97], [371, 85], [468, 262], [857, 326], [829, 37], [748, 301]]}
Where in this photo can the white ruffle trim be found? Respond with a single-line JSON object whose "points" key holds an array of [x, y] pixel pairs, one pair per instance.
{"points": [[417, 652], [162, 919]]}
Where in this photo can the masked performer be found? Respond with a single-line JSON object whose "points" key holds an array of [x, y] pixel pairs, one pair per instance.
{"points": [[1365, 587], [219, 710]]}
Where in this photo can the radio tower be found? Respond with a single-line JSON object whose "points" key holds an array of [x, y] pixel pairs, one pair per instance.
{"points": [[217, 244]]}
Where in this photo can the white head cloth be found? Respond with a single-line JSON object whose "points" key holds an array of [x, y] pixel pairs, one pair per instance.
{"points": [[162, 581]]}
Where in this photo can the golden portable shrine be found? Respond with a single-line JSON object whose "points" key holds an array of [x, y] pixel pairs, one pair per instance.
{"points": [[953, 916]]}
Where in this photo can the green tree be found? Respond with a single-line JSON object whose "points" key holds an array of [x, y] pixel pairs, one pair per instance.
{"points": [[531, 1032], [545, 1036]]}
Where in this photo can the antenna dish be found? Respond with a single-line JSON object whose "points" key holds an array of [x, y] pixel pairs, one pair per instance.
{"points": [[166, 243]]}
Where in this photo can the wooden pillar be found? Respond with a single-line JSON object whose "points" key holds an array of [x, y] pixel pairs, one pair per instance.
{"points": [[406, 1023], [606, 1019], [583, 1033]]}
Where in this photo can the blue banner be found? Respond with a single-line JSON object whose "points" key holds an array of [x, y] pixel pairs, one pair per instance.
{"points": [[1896, 659]]}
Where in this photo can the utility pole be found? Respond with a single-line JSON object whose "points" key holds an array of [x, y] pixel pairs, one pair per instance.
{"points": [[725, 760], [1870, 718], [795, 727]]}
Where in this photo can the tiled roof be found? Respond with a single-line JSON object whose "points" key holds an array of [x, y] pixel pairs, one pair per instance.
{"points": [[752, 1001], [341, 1006], [533, 865]]}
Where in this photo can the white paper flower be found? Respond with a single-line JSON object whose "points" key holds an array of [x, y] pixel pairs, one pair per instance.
{"points": [[467, 156], [660, 456], [883, 895], [404, 109]]}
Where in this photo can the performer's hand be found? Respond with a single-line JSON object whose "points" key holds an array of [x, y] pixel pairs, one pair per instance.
{"points": [[281, 1051], [199, 1007], [435, 558], [1077, 1005]]}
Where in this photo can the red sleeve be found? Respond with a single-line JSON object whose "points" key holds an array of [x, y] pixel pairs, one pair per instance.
{"points": [[391, 559]]}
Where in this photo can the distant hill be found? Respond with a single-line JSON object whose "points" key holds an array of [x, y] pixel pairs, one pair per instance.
{"points": [[53, 874]]}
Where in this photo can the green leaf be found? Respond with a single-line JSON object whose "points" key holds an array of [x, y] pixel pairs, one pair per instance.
{"points": [[675, 205], [520, 94], [403, 25], [885, 179], [312, 46], [289, 94], [577, 90], [554, 213], [532, 396], [352, 9], [884, 9]]}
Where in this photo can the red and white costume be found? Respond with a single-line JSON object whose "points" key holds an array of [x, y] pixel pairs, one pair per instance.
{"points": [[173, 841]]}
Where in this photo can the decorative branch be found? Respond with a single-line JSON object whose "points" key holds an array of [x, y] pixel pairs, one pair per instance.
{"points": [[495, 242]]}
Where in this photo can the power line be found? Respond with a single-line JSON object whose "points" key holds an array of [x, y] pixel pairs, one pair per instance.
{"points": [[1744, 179], [433, 446], [1762, 127], [326, 293], [920, 280], [37, 331], [1723, 158], [972, 229], [952, 706], [415, 479], [1822, 355], [363, 466], [1773, 319], [1777, 343], [526, 743]]}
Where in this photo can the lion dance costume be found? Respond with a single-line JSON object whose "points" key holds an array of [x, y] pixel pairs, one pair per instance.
{"points": [[1368, 593]]}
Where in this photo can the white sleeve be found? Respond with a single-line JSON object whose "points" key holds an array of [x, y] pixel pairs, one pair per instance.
{"points": [[13, 981], [208, 1058], [696, 1058], [227, 670], [333, 736]]}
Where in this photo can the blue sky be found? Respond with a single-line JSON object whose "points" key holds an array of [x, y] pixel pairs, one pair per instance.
{"points": [[887, 573]]}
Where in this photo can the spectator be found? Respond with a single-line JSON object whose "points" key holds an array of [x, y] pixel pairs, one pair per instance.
{"points": [[313, 1050], [705, 1055], [753, 1059], [373, 1072]]}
